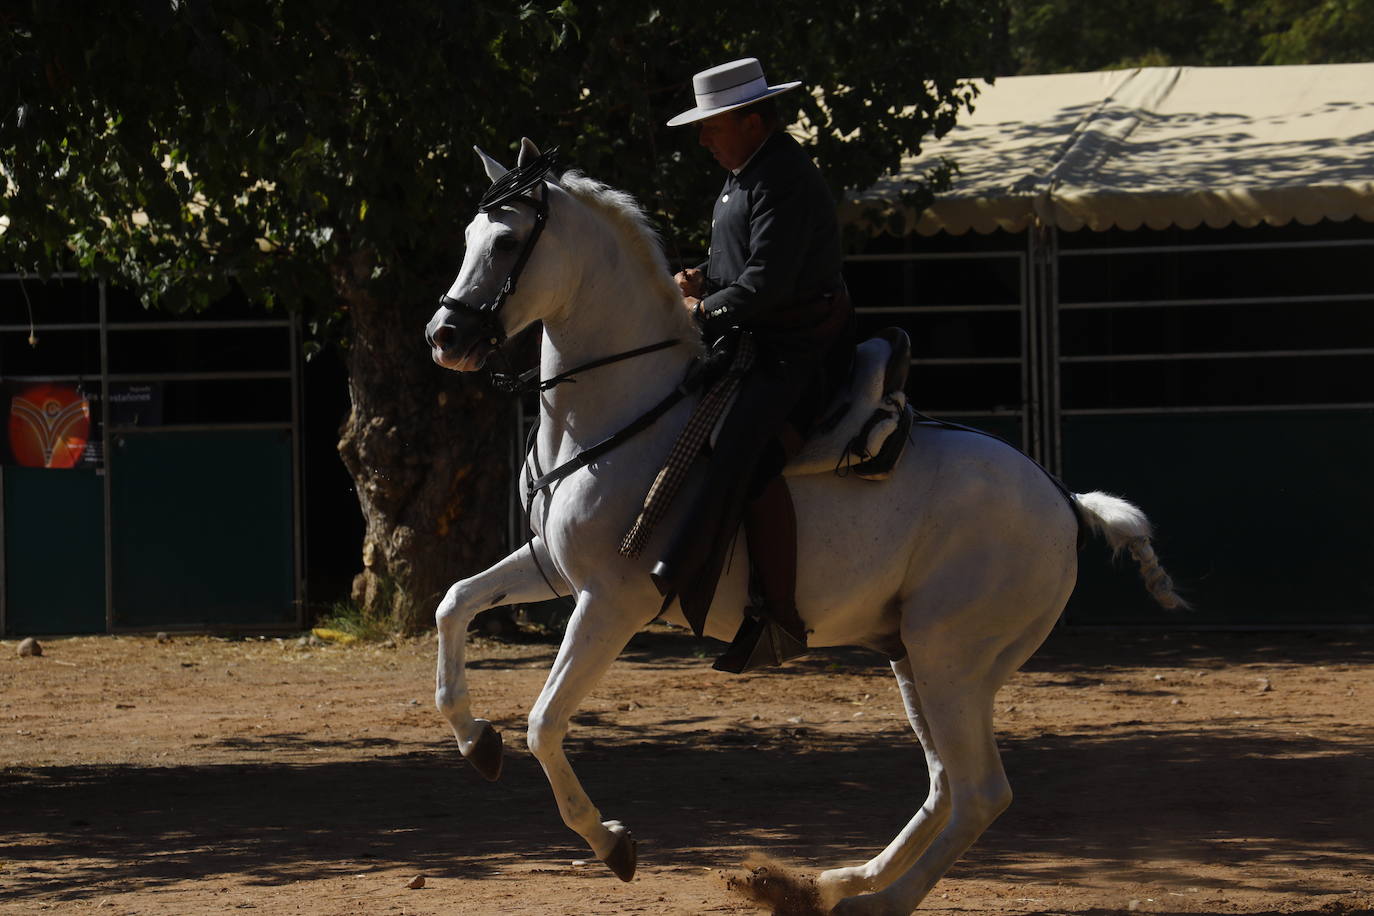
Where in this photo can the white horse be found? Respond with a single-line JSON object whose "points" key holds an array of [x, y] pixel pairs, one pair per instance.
{"points": [[964, 557]]}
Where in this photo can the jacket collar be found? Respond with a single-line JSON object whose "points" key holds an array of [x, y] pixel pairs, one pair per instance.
{"points": [[765, 149]]}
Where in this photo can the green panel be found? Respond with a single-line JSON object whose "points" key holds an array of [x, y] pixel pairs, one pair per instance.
{"points": [[202, 529], [54, 551], [1263, 519]]}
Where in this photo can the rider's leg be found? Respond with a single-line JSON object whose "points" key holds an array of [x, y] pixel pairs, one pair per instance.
{"points": [[770, 529], [697, 552]]}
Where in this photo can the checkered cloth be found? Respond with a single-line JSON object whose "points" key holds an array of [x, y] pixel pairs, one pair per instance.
{"points": [[689, 443]]}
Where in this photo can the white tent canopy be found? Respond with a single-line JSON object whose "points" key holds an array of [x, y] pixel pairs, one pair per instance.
{"points": [[1156, 147]]}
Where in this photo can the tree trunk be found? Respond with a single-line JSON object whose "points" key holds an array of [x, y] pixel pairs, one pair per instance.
{"points": [[428, 450]]}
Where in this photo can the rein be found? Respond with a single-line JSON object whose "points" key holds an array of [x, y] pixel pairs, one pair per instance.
{"points": [[528, 381], [582, 459], [585, 457]]}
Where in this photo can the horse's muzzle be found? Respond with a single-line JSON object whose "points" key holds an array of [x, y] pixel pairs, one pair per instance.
{"points": [[459, 339]]}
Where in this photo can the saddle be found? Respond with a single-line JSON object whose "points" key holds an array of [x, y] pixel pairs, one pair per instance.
{"points": [[864, 429]]}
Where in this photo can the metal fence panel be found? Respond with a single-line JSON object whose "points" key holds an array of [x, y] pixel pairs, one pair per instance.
{"points": [[1263, 518]]}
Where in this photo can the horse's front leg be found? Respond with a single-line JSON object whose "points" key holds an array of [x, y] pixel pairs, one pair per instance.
{"points": [[597, 633], [516, 578]]}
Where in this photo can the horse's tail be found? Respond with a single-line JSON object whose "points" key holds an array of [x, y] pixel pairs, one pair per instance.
{"points": [[1125, 527]]}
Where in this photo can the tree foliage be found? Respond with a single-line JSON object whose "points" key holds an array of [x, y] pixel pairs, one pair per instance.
{"points": [[317, 154], [1313, 31], [172, 143], [1052, 36]]}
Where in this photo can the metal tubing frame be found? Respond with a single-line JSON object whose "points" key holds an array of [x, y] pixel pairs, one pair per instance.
{"points": [[1217, 354], [1334, 298], [1208, 408], [1042, 328], [1023, 306], [104, 327], [4, 582], [1133, 250], [1059, 362], [1206, 302], [104, 469]]}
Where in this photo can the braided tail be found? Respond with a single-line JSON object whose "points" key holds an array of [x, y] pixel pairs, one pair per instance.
{"points": [[1125, 527]]}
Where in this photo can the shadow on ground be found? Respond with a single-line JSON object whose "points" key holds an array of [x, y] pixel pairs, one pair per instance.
{"points": [[1132, 802]]}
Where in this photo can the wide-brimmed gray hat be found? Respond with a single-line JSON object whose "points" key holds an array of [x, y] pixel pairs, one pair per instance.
{"points": [[727, 87]]}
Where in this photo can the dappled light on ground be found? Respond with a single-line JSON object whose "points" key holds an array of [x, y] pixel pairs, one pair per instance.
{"points": [[1154, 773]]}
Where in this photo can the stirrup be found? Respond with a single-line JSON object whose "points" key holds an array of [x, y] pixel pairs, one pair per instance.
{"points": [[760, 643]]}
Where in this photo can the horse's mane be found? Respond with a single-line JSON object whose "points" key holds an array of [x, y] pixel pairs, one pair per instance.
{"points": [[631, 224]]}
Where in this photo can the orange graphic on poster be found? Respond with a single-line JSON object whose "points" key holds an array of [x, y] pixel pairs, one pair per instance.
{"points": [[49, 425]]}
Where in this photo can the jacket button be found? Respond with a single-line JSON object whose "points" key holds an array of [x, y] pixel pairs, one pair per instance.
{"points": [[724, 198]]}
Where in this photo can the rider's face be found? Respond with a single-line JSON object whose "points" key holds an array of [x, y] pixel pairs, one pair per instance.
{"points": [[732, 138]]}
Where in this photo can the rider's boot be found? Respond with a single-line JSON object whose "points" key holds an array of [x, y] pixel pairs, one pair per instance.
{"points": [[774, 633]]}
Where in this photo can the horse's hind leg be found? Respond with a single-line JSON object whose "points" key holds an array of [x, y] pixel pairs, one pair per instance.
{"points": [[514, 579], [957, 684], [903, 851]]}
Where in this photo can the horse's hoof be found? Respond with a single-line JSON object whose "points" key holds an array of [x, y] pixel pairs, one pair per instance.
{"points": [[623, 857], [485, 755]]}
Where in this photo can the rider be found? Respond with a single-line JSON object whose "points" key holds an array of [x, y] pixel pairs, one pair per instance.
{"points": [[773, 271]]}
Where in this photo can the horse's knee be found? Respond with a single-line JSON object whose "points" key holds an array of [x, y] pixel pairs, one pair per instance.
{"points": [[452, 611], [544, 736]]}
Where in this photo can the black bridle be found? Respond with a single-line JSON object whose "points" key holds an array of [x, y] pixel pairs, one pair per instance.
{"points": [[514, 187]]}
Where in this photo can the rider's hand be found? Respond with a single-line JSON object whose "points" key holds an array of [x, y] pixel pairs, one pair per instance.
{"points": [[690, 281], [690, 303]]}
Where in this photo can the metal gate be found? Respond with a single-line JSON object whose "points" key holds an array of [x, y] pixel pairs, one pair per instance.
{"points": [[1221, 379], [183, 510]]}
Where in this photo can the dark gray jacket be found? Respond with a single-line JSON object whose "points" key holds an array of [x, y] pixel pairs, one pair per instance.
{"points": [[775, 241]]}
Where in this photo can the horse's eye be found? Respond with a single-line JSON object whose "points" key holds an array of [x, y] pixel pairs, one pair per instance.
{"points": [[506, 243]]}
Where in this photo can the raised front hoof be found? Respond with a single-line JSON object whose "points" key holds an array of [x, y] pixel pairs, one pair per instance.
{"points": [[624, 855], [486, 754]]}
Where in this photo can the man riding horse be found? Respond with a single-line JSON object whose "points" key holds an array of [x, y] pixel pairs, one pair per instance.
{"points": [[773, 273]]}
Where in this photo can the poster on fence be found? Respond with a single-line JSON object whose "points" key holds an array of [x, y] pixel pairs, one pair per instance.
{"points": [[61, 425], [49, 425]]}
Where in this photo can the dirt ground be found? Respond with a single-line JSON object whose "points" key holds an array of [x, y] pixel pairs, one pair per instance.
{"points": [[1155, 773]]}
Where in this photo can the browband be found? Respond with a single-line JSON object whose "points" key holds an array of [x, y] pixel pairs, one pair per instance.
{"points": [[519, 180]]}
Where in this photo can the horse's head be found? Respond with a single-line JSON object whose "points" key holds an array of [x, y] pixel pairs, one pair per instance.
{"points": [[480, 311]]}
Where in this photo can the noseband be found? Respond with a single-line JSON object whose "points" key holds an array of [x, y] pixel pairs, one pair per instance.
{"points": [[514, 187]]}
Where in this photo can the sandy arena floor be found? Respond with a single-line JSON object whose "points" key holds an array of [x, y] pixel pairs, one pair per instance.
{"points": [[1204, 773]]}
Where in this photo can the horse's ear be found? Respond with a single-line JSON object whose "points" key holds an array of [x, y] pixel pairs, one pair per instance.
{"points": [[494, 169], [528, 151]]}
